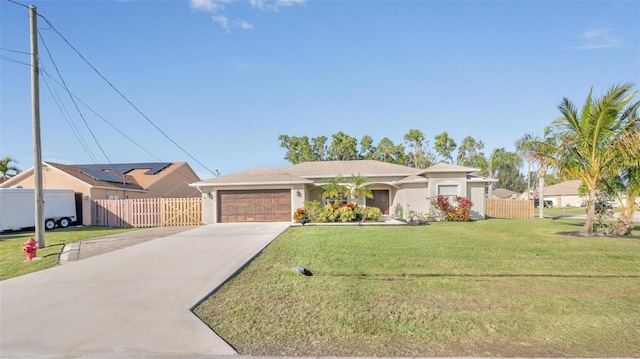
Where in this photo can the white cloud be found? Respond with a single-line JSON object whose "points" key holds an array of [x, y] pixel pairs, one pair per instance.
{"points": [[598, 39], [218, 7], [242, 24], [265, 5], [227, 24], [208, 5], [221, 20], [285, 3]]}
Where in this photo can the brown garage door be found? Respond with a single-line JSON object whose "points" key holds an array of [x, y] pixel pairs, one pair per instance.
{"points": [[272, 205]]}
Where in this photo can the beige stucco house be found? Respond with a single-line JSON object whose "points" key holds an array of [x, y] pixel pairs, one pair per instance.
{"points": [[565, 194], [266, 194], [112, 181]]}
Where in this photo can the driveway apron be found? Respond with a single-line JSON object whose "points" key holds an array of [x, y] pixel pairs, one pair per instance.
{"points": [[131, 302]]}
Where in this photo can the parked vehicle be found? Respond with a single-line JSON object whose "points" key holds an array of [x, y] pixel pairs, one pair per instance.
{"points": [[547, 203], [17, 208]]}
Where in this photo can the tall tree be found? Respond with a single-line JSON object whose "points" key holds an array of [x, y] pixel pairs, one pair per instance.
{"points": [[343, 147], [542, 151], [500, 158], [319, 148], [418, 155], [468, 152], [6, 167], [509, 177], [385, 151], [298, 148], [598, 141], [445, 146], [366, 147]]}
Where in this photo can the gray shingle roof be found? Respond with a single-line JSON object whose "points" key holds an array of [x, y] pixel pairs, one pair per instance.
{"points": [[368, 168], [260, 175]]}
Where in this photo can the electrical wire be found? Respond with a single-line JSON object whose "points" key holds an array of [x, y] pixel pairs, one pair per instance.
{"points": [[74, 102], [216, 173]]}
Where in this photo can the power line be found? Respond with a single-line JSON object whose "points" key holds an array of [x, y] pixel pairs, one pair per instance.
{"points": [[73, 101], [123, 96], [115, 89]]}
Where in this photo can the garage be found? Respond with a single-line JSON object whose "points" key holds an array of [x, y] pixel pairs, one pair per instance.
{"points": [[272, 205]]}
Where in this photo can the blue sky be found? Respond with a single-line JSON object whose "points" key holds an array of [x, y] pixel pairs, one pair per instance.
{"points": [[224, 78]]}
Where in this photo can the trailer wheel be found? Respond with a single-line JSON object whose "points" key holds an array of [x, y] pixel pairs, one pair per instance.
{"points": [[64, 222], [49, 224]]}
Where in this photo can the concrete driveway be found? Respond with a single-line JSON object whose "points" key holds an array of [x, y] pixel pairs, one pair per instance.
{"points": [[134, 301]]}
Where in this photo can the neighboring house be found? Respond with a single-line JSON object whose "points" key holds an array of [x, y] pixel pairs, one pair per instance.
{"points": [[265, 194], [503, 193], [6, 177], [564, 194], [113, 181]]}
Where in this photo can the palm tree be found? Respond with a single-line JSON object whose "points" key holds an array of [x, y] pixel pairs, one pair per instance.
{"points": [[6, 167], [599, 140], [626, 188], [359, 187], [334, 188], [500, 158], [543, 152]]}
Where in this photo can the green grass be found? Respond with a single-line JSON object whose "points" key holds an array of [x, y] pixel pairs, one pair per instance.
{"points": [[567, 211], [12, 257], [488, 288]]}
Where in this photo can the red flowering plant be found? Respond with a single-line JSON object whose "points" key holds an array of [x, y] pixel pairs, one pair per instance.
{"points": [[461, 212]]}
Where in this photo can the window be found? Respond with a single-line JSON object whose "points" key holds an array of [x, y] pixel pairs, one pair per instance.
{"points": [[113, 196], [448, 190]]}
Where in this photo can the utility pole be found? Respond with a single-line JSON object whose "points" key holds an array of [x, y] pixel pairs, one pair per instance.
{"points": [[35, 119]]}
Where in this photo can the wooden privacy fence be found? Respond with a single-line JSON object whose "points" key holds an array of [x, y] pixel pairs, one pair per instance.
{"points": [[509, 208], [146, 212]]}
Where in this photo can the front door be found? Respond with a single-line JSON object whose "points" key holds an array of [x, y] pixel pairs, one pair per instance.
{"points": [[380, 199]]}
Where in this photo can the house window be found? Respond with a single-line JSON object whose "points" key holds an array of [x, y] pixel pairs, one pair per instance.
{"points": [[448, 190], [113, 196], [451, 191]]}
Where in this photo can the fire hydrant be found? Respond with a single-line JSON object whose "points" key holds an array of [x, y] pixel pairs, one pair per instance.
{"points": [[29, 249]]}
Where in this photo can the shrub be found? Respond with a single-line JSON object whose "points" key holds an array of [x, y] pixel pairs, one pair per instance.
{"points": [[326, 214], [312, 208], [345, 214], [299, 215], [373, 214], [459, 213]]}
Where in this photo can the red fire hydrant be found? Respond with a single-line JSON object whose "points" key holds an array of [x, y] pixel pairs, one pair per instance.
{"points": [[29, 249]]}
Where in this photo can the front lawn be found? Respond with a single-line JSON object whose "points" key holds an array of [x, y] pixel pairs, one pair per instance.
{"points": [[486, 288], [12, 257]]}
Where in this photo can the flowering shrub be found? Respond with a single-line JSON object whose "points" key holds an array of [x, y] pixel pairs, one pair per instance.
{"points": [[348, 212], [461, 212], [299, 215]]}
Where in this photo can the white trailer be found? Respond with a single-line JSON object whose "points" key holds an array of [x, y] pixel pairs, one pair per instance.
{"points": [[17, 208]]}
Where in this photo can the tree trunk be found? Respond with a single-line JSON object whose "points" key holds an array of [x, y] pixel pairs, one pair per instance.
{"points": [[591, 213], [542, 171], [625, 222], [490, 176]]}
